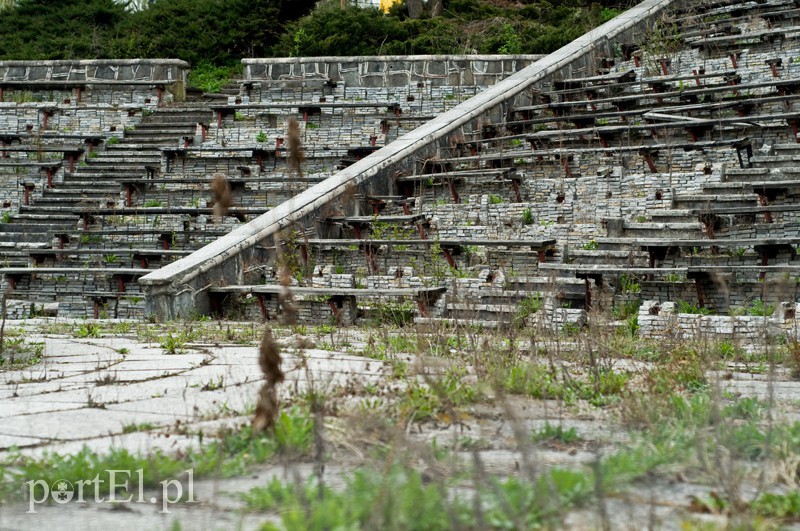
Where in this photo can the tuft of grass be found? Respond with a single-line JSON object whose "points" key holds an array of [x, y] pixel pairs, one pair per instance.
{"points": [[134, 428], [230, 452], [173, 344], [88, 330], [527, 307], [527, 217], [550, 433], [688, 307], [783, 506], [539, 381]]}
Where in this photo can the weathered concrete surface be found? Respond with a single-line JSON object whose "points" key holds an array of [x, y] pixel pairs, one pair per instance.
{"points": [[96, 70], [87, 391], [130, 382], [390, 70]]}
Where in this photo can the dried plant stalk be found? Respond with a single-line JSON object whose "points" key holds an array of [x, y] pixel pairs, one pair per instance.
{"points": [[221, 192], [269, 359], [296, 155]]}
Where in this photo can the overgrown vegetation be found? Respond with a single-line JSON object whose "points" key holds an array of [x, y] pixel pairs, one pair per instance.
{"points": [[228, 453], [659, 411]]}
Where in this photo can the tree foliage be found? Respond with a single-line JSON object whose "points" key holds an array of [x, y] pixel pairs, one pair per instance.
{"points": [[220, 32], [217, 33], [58, 29], [463, 27]]}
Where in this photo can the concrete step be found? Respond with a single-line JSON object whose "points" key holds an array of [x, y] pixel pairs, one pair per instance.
{"points": [[163, 130], [134, 147], [671, 215], [700, 201], [763, 175], [36, 228], [176, 123], [662, 230], [445, 322], [787, 149], [101, 175], [115, 166], [160, 140], [775, 161], [608, 256], [68, 204], [64, 217], [18, 239], [86, 187], [62, 206], [483, 312], [744, 187], [122, 159]]}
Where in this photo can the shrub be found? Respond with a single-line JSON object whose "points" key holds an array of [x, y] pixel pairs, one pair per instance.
{"points": [[688, 307], [527, 216], [760, 309], [209, 78]]}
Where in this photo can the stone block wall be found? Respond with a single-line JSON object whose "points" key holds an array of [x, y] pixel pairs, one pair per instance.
{"points": [[389, 71], [122, 81]]}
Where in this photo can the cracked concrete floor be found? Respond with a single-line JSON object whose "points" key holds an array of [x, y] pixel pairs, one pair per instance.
{"points": [[93, 392], [90, 392]]}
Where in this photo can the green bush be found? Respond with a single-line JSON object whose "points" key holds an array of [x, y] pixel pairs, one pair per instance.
{"points": [[209, 78], [688, 307], [398, 314], [760, 309]]}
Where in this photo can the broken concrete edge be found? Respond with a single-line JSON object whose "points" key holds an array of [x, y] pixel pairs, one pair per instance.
{"points": [[88, 71], [172, 291], [97, 62], [388, 70], [390, 59]]}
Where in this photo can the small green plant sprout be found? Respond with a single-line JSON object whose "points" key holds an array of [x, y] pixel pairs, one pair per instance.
{"points": [[134, 428], [527, 217], [556, 434], [261, 137], [495, 199], [214, 384], [759, 308], [626, 309], [591, 245], [88, 330], [152, 203], [173, 344], [112, 141], [238, 116], [688, 307], [515, 142], [629, 284], [6, 217], [527, 307], [110, 258], [312, 125]]}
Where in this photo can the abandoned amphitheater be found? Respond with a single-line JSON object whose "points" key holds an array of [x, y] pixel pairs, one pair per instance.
{"points": [[653, 160]]}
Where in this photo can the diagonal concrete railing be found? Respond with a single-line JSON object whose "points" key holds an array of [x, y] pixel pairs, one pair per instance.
{"points": [[178, 290]]}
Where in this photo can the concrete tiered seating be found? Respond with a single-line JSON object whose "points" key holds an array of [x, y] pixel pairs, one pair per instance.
{"points": [[618, 168]]}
